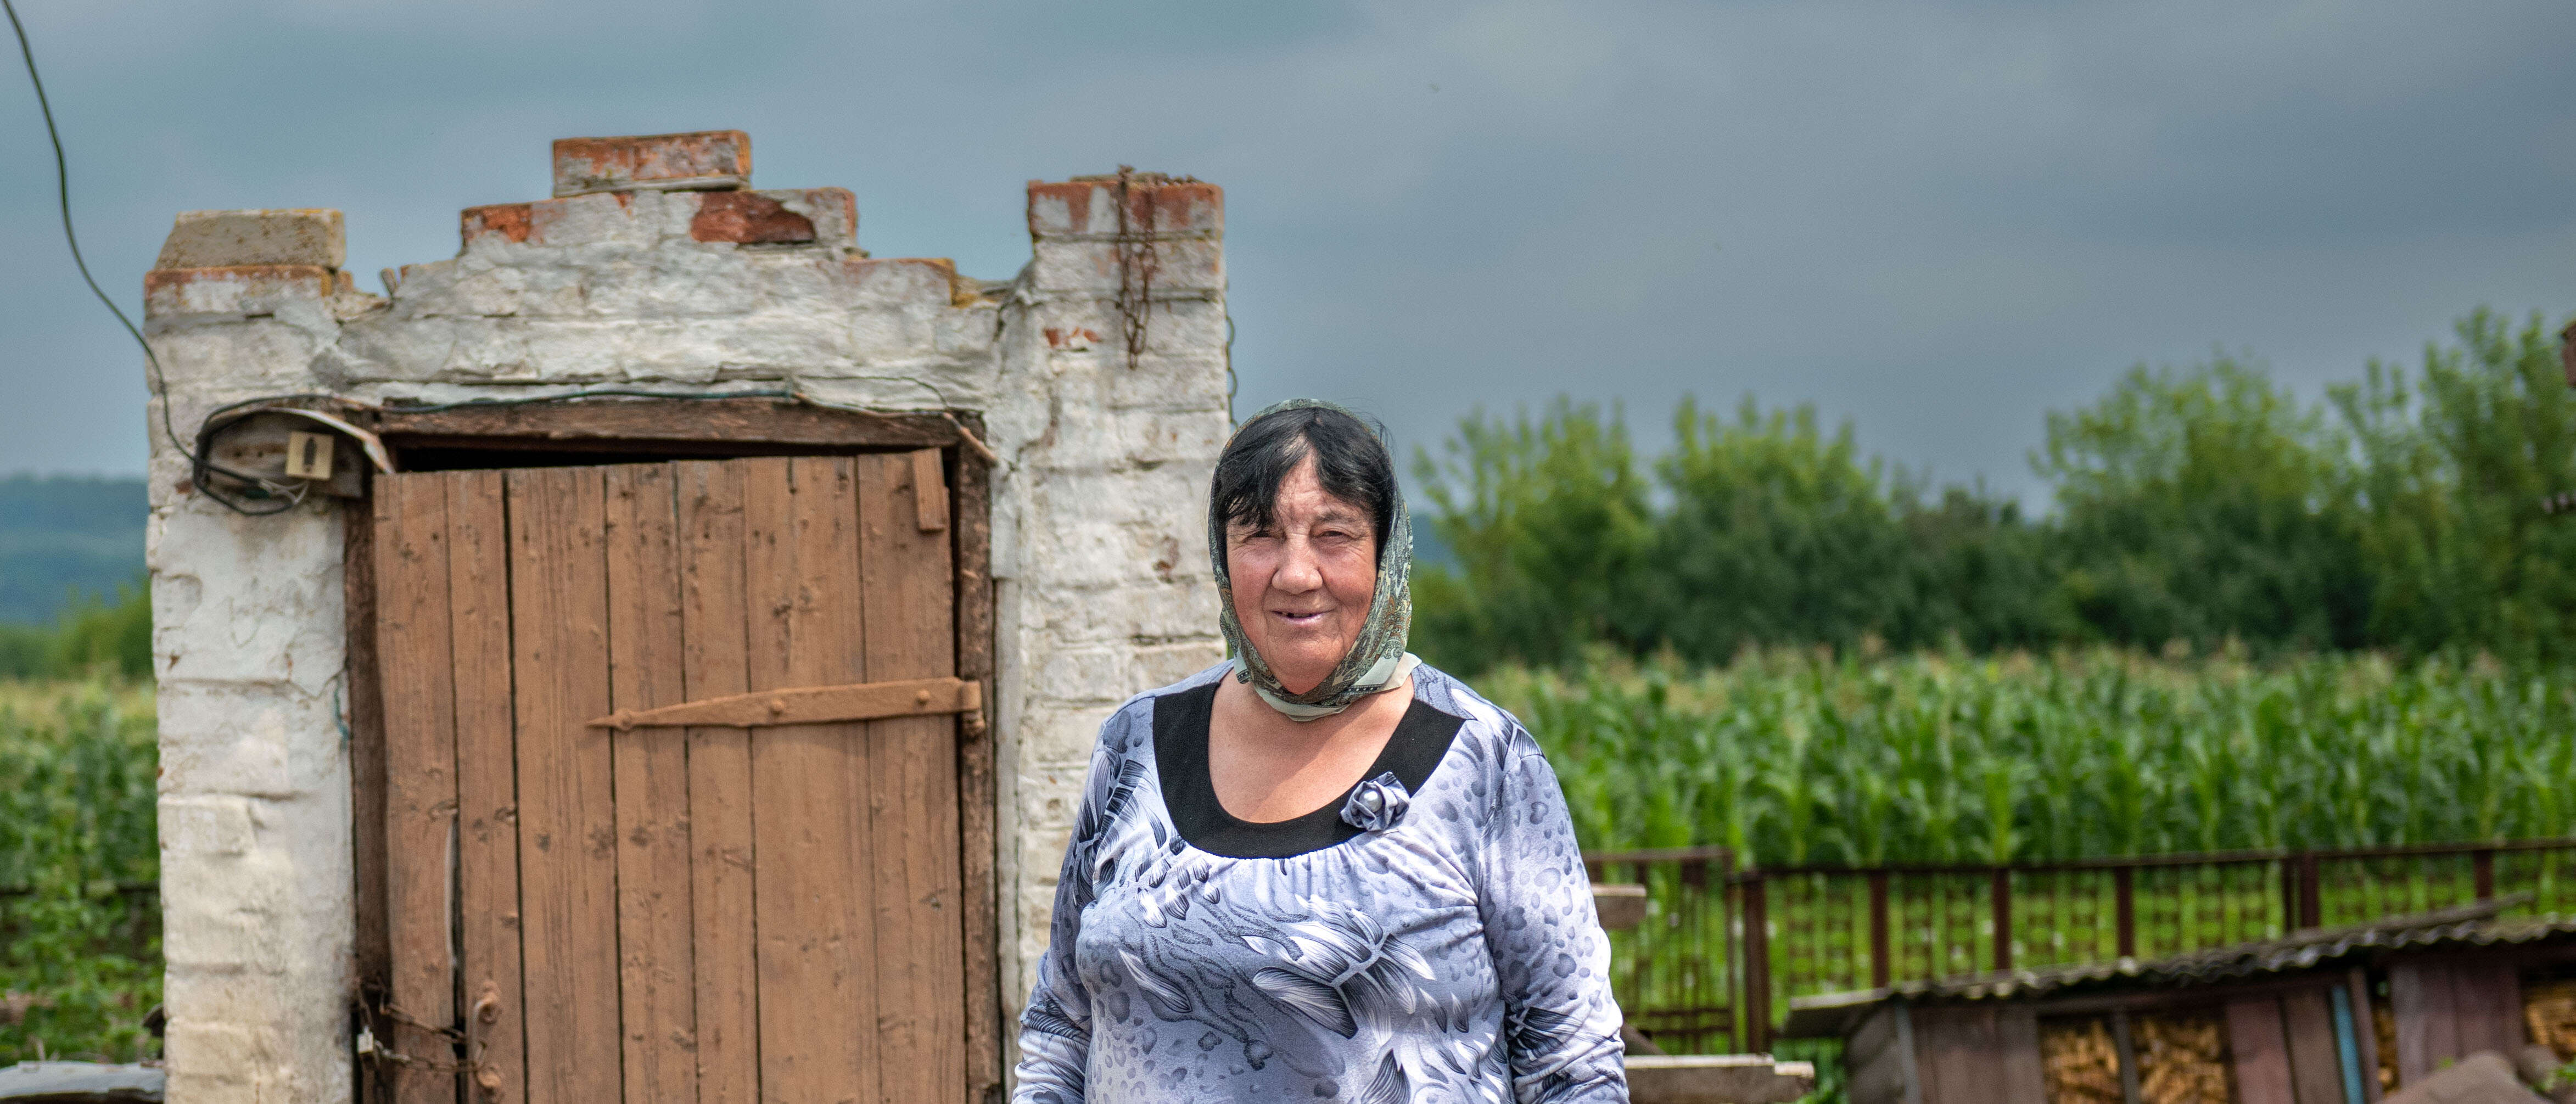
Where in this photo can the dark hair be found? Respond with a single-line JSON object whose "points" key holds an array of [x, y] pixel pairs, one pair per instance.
{"points": [[1350, 461]]}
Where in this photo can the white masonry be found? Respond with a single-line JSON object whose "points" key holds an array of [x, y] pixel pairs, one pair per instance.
{"points": [[1098, 550]]}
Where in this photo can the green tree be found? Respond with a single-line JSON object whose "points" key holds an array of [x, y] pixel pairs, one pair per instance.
{"points": [[1548, 526], [2452, 462], [2206, 505], [2202, 505], [1980, 574], [1778, 533]]}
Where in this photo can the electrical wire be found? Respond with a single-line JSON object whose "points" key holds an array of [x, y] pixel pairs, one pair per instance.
{"points": [[198, 467], [63, 200], [200, 464]]}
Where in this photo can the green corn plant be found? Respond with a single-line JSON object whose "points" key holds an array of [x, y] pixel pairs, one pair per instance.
{"points": [[78, 770], [1791, 757]]}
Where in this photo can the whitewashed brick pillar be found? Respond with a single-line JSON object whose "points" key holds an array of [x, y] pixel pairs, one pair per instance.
{"points": [[248, 639], [1114, 406]]}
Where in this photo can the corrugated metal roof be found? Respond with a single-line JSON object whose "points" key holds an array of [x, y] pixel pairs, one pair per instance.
{"points": [[2470, 925]]}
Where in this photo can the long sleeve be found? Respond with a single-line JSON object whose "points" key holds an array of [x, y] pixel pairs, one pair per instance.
{"points": [[1551, 961]]}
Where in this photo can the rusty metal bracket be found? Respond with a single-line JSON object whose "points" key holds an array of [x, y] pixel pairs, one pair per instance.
{"points": [[859, 701], [478, 1028]]}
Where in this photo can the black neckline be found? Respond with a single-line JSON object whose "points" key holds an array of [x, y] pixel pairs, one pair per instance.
{"points": [[1181, 720]]}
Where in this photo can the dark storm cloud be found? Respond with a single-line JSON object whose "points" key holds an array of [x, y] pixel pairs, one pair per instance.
{"points": [[1937, 219]]}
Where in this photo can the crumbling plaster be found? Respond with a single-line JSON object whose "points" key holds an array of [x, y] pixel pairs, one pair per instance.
{"points": [[1098, 559]]}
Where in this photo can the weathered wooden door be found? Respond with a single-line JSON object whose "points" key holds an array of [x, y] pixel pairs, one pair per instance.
{"points": [[721, 914]]}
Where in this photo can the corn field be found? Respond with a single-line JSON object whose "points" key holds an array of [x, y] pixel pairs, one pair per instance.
{"points": [[80, 953], [1794, 758]]}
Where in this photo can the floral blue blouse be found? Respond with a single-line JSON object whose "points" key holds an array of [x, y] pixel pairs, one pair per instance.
{"points": [[1436, 943]]}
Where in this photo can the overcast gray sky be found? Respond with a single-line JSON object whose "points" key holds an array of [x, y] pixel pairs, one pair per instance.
{"points": [[1936, 219]]}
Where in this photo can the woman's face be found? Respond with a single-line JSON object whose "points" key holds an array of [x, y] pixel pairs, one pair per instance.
{"points": [[1302, 586]]}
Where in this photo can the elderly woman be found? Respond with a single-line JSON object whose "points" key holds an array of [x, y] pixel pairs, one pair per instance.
{"points": [[1322, 871]]}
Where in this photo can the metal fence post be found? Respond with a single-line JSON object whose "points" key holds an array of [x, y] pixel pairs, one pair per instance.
{"points": [[1757, 967], [2124, 909], [2302, 903], [2003, 917], [2289, 892], [2312, 898], [1880, 969]]}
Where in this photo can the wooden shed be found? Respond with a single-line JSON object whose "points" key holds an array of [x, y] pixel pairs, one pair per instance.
{"points": [[2323, 1016]]}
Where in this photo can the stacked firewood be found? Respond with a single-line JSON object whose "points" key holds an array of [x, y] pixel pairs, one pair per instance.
{"points": [[2182, 1059], [2550, 1010], [2082, 1061]]}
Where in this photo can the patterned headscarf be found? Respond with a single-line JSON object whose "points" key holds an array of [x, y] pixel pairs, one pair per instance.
{"points": [[1377, 661]]}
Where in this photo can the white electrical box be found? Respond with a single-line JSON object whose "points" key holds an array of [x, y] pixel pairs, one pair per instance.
{"points": [[308, 455]]}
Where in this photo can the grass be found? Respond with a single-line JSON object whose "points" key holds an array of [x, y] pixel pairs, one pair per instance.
{"points": [[80, 950]]}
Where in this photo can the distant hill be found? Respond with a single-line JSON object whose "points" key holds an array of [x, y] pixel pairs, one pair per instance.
{"points": [[66, 535], [1427, 546]]}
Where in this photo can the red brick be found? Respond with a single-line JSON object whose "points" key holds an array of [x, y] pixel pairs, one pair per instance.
{"points": [[1155, 204], [748, 218], [1076, 198], [706, 159], [509, 220], [1170, 207]]}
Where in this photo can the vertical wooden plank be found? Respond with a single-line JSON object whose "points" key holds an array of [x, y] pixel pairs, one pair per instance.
{"points": [[487, 785], [1873, 1074], [2259, 1052], [657, 977], [567, 818], [413, 641], [2488, 996], [1935, 1032], [911, 786], [2419, 997], [2316, 1066], [2125, 1042], [976, 814], [1966, 1059], [929, 485], [2023, 1078], [721, 854], [817, 1001], [374, 947]]}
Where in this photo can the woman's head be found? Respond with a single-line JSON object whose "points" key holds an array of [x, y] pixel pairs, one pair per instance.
{"points": [[1305, 509]]}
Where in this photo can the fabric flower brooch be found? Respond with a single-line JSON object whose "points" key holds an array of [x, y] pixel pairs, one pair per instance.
{"points": [[1377, 804]]}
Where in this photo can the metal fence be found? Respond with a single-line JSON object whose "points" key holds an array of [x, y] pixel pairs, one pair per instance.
{"points": [[1719, 945], [1676, 972]]}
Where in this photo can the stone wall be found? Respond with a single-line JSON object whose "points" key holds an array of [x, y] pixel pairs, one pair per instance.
{"points": [[654, 267]]}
